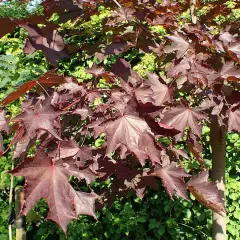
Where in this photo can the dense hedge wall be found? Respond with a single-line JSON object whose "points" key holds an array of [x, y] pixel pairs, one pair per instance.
{"points": [[154, 217]]}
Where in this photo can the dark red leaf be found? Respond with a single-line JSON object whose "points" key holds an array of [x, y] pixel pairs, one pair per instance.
{"points": [[230, 72], [235, 48], [180, 45], [195, 148], [50, 43], [206, 192], [40, 118], [47, 80], [161, 92], [20, 91], [83, 112], [22, 146], [234, 119], [50, 180], [1, 145], [132, 132], [70, 148], [172, 179], [99, 71], [181, 117]]}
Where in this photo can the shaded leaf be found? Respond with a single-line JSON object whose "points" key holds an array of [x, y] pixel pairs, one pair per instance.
{"points": [[50, 43], [172, 179], [206, 192], [180, 45], [161, 92]]}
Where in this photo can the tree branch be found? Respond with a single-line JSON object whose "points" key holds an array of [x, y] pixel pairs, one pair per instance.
{"points": [[118, 4], [10, 205], [193, 11]]}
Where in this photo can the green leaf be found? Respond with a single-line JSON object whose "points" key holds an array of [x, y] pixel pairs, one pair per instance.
{"points": [[142, 219], [4, 82], [205, 130], [200, 216], [188, 214], [153, 223], [234, 196], [99, 142], [237, 214], [161, 230]]}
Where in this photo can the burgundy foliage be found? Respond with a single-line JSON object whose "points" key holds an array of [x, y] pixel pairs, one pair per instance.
{"points": [[135, 112]]}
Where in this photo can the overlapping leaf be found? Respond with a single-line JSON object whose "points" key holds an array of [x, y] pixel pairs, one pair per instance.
{"points": [[234, 119], [206, 192], [48, 79], [172, 179], [47, 179], [131, 132], [40, 118], [180, 45], [72, 149], [51, 43], [161, 92], [182, 117]]}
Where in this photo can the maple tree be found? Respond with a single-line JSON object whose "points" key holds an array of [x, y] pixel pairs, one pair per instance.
{"points": [[198, 83]]}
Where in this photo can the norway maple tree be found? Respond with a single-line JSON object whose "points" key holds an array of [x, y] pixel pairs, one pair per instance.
{"points": [[61, 118]]}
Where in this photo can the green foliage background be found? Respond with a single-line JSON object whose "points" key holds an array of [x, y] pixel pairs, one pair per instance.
{"points": [[129, 218]]}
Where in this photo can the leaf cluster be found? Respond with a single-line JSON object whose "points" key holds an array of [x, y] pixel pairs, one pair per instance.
{"points": [[57, 134]]}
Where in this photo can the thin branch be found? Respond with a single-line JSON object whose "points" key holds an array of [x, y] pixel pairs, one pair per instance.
{"points": [[10, 203], [43, 88], [174, 80], [193, 11], [118, 4], [5, 151], [84, 137], [72, 104], [193, 229]]}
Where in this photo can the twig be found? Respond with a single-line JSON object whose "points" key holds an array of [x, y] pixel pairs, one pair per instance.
{"points": [[193, 11], [5, 151], [193, 229], [72, 104], [174, 80], [118, 4], [84, 137], [10, 204], [43, 88]]}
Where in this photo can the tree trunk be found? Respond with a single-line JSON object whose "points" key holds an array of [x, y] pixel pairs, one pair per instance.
{"points": [[20, 222], [218, 144]]}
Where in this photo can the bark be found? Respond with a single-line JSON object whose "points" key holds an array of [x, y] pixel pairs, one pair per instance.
{"points": [[20, 222], [218, 144]]}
